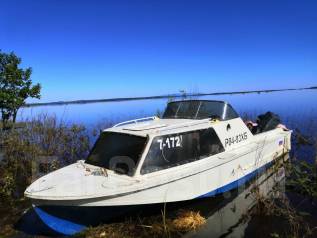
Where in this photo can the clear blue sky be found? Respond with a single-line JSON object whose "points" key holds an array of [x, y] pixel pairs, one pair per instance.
{"points": [[101, 49]]}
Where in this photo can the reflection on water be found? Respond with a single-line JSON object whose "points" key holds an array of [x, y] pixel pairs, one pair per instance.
{"points": [[226, 219]]}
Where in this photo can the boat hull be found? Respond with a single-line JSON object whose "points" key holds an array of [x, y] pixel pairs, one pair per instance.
{"points": [[206, 178], [203, 178], [69, 220]]}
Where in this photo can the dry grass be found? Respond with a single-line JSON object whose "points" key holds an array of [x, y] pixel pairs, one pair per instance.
{"points": [[155, 226], [10, 215], [188, 220], [39, 140]]}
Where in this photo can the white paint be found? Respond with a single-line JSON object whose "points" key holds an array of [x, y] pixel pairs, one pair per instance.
{"points": [[78, 185]]}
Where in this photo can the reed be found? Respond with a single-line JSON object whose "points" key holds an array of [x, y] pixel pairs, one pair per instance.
{"points": [[303, 179], [290, 214], [292, 223]]}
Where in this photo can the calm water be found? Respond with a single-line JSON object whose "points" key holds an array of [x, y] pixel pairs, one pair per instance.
{"points": [[297, 109]]}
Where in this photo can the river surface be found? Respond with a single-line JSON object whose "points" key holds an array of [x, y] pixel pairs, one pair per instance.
{"points": [[296, 108]]}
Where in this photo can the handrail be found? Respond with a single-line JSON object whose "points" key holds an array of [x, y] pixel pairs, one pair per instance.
{"points": [[136, 121]]}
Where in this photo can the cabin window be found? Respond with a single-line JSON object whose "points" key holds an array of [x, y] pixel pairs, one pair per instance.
{"points": [[117, 151], [176, 149]]}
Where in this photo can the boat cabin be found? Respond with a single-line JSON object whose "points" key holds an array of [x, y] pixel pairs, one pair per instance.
{"points": [[187, 132]]}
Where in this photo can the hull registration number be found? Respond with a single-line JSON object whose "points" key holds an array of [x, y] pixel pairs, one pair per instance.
{"points": [[236, 139]]}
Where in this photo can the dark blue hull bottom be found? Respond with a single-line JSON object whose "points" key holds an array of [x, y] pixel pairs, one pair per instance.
{"points": [[71, 220]]}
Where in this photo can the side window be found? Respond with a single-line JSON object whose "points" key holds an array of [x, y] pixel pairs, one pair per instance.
{"points": [[209, 143], [176, 149]]}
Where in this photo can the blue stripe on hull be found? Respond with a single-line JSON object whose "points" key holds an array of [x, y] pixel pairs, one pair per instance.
{"points": [[62, 226], [236, 183]]}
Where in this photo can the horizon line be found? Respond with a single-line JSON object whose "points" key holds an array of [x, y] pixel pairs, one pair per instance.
{"points": [[175, 95]]}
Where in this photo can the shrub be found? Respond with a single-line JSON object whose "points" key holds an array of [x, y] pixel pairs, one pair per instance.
{"points": [[42, 140]]}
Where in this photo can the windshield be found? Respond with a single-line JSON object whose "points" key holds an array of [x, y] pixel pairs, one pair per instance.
{"points": [[118, 152], [199, 109]]}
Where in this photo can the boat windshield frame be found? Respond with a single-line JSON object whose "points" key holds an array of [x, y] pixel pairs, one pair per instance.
{"points": [[200, 109], [124, 158]]}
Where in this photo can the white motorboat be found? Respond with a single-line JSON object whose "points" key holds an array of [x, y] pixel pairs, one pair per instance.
{"points": [[197, 149]]}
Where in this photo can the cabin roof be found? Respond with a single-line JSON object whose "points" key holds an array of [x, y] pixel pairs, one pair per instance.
{"points": [[178, 116], [160, 126]]}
